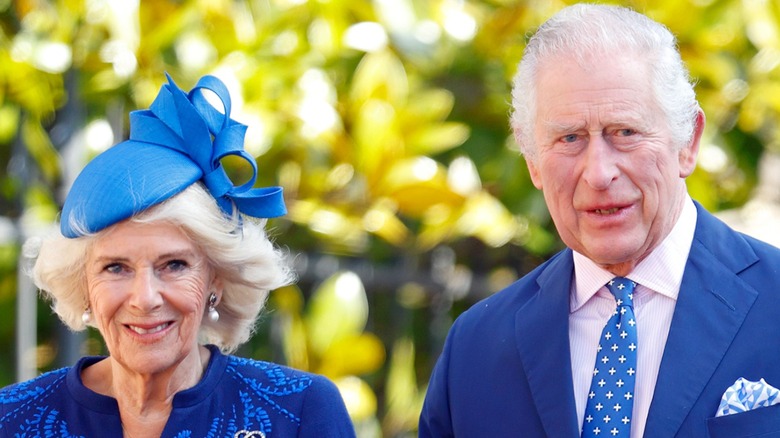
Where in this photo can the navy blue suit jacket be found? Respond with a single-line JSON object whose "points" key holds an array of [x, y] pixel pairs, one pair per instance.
{"points": [[505, 370]]}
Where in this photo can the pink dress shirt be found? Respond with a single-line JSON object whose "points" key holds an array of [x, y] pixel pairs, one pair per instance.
{"points": [[659, 277]]}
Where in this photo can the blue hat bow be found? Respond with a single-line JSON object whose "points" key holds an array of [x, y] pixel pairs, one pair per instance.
{"points": [[179, 140]]}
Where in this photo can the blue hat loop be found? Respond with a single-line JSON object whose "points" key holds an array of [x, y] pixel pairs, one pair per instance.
{"points": [[179, 140]]}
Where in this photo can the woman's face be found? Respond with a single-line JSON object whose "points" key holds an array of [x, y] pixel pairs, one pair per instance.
{"points": [[148, 286]]}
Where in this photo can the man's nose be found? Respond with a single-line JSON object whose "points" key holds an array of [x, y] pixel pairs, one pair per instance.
{"points": [[599, 163]]}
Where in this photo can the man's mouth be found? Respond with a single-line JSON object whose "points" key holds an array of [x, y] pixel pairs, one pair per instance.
{"points": [[607, 211]]}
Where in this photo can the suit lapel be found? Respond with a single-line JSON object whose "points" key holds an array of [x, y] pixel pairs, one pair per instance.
{"points": [[711, 307], [543, 345]]}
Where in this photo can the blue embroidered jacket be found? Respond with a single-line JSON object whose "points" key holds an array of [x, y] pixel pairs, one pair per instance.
{"points": [[234, 398]]}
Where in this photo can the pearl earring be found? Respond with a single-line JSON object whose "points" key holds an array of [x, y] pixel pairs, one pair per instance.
{"points": [[213, 314], [86, 317]]}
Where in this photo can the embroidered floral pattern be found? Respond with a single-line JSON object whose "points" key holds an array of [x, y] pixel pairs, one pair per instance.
{"points": [[29, 398], [261, 396], [279, 385]]}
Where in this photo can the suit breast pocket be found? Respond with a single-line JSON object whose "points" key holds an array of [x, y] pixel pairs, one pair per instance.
{"points": [[760, 422]]}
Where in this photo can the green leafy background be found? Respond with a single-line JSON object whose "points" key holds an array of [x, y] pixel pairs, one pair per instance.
{"points": [[386, 123]]}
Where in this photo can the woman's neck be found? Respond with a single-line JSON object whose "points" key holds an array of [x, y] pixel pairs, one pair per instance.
{"points": [[145, 400]]}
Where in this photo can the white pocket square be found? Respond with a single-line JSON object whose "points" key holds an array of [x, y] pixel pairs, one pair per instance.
{"points": [[745, 395]]}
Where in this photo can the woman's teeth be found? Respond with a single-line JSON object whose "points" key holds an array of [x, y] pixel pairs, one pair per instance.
{"points": [[143, 331]]}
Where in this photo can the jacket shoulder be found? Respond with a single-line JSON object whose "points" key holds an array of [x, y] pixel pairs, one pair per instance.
{"points": [[23, 391], [310, 401], [272, 377], [513, 297], [22, 405]]}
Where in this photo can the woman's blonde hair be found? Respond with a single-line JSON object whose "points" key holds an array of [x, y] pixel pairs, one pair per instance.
{"points": [[237, 248]]}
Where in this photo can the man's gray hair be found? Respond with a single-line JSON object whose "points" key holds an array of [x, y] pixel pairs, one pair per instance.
{"points": [[581, 30]]}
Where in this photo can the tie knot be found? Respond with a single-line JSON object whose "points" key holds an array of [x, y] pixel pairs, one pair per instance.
{"points": [[623, 290]]}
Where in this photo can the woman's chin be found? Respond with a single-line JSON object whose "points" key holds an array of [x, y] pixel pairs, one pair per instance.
{"points": [[152, 357]]}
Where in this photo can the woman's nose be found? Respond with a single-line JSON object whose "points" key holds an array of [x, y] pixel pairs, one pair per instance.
{"points": [[146, 293]]}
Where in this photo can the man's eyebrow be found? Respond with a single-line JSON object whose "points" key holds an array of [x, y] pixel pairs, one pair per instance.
{"points": [[561, 126]]}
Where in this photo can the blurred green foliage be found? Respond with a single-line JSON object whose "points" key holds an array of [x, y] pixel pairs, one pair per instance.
{"points": [[385, 121]]}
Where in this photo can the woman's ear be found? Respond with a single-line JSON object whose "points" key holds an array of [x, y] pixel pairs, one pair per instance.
{"points": [[217, 288]]}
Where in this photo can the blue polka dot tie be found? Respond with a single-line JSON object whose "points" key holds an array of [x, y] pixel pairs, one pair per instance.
{"points": [[611, 395]]}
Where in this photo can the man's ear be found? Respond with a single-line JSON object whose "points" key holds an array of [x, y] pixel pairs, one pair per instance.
{"points": [[688, 154], [536, 178]]}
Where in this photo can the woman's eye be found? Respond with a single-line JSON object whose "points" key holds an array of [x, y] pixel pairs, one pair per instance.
{"points": [[176, 265], [113, 268]]}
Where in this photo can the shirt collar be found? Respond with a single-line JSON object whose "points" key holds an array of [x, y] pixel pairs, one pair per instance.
{"points": [[661, 271]]}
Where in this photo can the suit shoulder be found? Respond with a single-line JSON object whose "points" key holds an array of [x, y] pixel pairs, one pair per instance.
{"points": [[764, 269], [762, 248], [514, 296]]}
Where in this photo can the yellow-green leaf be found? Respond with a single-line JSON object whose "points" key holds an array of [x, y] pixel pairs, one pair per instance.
{"points": [[358, 397], [353, 354], [338, 309]]}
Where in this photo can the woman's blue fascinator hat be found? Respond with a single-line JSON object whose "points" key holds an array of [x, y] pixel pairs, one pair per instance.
{"points": [[179, 140]]}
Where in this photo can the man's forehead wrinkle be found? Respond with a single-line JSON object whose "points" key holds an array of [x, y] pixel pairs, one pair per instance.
{"points": [[605, 112]]}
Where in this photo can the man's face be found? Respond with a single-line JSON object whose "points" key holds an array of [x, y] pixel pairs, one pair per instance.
{"points": [[612, 179]]}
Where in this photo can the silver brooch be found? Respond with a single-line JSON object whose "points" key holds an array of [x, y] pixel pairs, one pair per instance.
{"points": [[249, 434]]}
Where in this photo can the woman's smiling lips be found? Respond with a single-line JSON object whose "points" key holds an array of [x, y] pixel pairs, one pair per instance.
{"points": [[148, 329]]}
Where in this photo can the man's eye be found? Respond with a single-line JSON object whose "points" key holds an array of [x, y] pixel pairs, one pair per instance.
{"points": [[571, 138], [626, 132]]}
